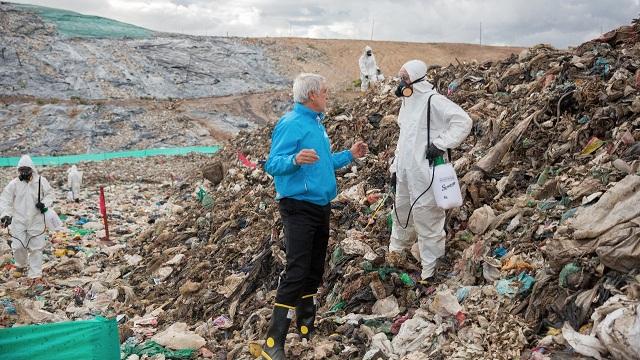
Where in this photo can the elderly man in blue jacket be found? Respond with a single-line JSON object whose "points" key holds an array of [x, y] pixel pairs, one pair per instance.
{"points": [[303, 167]]}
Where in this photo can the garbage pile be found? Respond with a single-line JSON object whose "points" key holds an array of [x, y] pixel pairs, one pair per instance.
{"points": [[84, 273], [542, 258], [554, 150]]}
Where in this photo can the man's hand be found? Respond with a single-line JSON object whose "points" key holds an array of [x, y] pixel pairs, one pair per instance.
{"points": [[5, 221], [40, 206], [306, 156], [359, 149], [433, 152]]}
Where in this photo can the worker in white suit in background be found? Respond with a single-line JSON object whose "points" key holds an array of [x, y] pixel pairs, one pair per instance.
{"points": [[23, 205], [74, 180], [368, 69]]}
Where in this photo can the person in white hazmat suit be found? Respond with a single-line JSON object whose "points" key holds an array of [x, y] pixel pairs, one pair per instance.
{"points": [[74, 180], [411, 171], [368, 68], [23, 205]]}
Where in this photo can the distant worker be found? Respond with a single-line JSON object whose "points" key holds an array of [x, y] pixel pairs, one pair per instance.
{"points": [[429, 125], [74, 180], [368, 68], [23, 205]]}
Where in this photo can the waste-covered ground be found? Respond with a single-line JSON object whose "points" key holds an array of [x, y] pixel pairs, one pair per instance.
{"points": [[542, 259]]}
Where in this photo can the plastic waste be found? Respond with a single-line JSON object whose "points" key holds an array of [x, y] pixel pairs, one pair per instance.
{"points": [[52, 221], [481, 219], [387, 307], [462, 294], [593, 145], [499, 252], [151, 348], [222, 322], [445, 304], [568, 270], [178, 337], [205, 199], [514, 286], [446, 188], [406, 279], [8, 307]]}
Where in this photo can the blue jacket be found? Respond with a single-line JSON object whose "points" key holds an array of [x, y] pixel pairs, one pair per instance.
{"points": [[301, 129]]}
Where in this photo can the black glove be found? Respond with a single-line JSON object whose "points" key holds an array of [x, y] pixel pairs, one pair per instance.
{"points": [[5, 221], [433, 152], [393, 181], [40, 206], [366, 76]]}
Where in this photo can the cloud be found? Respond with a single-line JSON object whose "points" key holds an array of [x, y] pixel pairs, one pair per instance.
{"points": [[505, 22]]}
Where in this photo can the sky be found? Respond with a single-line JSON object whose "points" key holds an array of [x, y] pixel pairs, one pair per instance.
{"points": [[560, 23]]}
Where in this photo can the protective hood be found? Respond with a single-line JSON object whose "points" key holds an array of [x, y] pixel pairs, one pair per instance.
{"points": [[415, 68], [72, 169], [25, 161], [367, 48]]}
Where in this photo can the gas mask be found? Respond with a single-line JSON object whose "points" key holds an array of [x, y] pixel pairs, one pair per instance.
{"points": [[369, 53], [405, 89], [25, 174]]}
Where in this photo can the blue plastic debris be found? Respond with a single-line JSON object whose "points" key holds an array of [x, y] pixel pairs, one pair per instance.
{"points": [[499, 252], [520, 284]]}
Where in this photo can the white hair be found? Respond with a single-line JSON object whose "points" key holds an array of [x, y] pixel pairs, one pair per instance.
{"points": [[306, 83]]}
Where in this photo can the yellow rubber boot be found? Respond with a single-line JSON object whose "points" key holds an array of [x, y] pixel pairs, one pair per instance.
{"points": [[306, 316], [273, 348]]}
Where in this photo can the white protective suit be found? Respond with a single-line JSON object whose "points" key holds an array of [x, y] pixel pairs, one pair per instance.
{"points": [[450, 125], [74, 179], [368, 69], [18, 200]]}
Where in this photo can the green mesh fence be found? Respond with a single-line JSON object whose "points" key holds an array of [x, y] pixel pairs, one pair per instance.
{"points": [[74, 159], [72, 24]]}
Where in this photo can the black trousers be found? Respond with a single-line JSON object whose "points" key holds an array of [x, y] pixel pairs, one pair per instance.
{"points": [[306, 235]]}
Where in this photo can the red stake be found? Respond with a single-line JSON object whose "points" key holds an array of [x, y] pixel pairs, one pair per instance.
{"points": [[103, 211]]}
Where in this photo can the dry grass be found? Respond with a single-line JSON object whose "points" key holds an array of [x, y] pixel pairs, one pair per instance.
{"points": [[338, 59]]}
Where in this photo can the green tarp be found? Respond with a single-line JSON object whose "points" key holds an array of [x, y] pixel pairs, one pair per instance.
{"points": [[95, 339], [74, 159], [73, 24]]}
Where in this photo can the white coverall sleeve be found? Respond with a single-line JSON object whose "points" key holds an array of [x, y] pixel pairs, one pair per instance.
{"points": [[6, 200], [47, 193], [458, 129]]}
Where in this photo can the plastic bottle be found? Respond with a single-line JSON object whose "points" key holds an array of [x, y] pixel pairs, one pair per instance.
{"points": [[446, 188]]}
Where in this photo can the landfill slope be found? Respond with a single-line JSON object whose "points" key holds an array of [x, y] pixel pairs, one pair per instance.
{"points": [[71, 83], [555, 133], [38, 60]]}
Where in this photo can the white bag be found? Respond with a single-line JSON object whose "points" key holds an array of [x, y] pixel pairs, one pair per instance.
{"points": [[446, 188], [52, 221]]}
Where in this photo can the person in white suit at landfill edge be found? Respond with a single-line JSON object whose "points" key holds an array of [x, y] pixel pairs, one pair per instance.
{"points": [[430, 124], [368, 68], [23, 204], [74, 180]]}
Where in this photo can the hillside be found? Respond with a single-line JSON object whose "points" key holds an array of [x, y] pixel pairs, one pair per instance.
{"points": [[88, 84]]}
